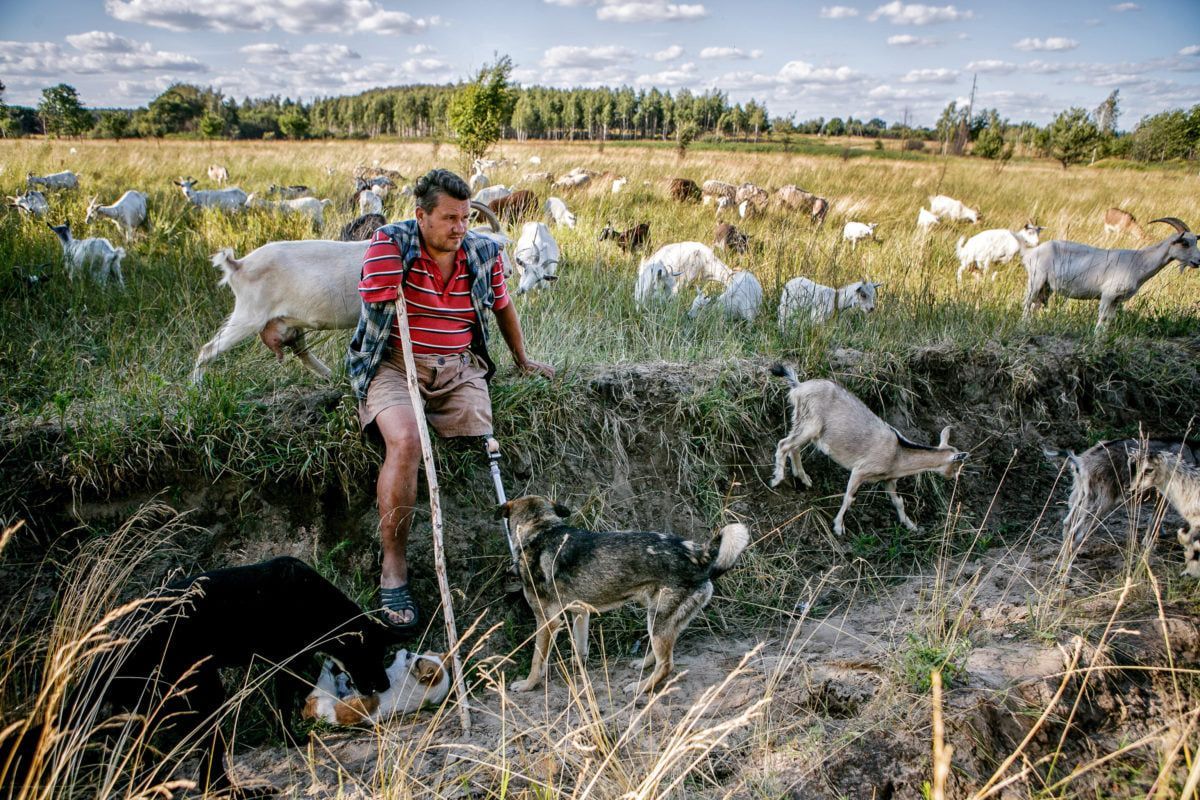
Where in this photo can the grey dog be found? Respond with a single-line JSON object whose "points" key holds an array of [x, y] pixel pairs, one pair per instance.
{"points": [[564, 568]]}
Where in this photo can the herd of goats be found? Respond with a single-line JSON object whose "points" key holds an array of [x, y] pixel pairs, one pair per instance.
{"points": [[285, 288]]}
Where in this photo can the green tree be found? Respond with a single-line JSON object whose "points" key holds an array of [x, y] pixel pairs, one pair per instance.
{"points": [[177, 109], [4, 124], [1073, 137], [294, 123], [113, 125], [835, 127], [1167, 135], [212, 126], [61, 112], [991, 142], [479, 109]]}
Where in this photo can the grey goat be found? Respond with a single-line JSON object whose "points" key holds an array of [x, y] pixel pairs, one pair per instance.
{"points": [[1179, 482], [1086, 273], [843, 428]]}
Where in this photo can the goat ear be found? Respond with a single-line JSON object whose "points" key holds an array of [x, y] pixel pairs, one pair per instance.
{"points": [[562, 511], [502, 511], [944, 441], [959, 457], [551, 278]]}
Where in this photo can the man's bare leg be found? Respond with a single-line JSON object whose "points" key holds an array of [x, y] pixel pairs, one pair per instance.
{"points": [[396, 493]]}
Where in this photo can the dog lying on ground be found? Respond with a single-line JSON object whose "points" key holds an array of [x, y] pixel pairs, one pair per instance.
{"points": [[564, 568], [278, 613], [415, 681]]}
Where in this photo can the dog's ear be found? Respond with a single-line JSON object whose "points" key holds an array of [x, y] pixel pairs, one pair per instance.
{"points": [[502, 511], [427, 672], [562, 511]]}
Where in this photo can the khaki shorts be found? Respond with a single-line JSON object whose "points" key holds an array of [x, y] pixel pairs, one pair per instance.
{"points": [[455, 394]]}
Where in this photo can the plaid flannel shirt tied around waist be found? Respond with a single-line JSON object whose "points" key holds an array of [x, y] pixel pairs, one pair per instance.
{"points": [[375, 320]]}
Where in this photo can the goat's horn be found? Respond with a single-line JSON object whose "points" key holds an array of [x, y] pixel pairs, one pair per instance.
{"points": [[1174, 222], [487, 214]]}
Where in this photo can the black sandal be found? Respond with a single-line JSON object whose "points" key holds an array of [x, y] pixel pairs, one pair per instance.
{"points": [[398, 600]]}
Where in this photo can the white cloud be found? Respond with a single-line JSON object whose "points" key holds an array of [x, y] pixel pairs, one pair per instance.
{"points": [[1119, 7], [1052, 44], [679, 76], [899, 13], [992, 65], [291, 16], [729, 52], [669, 54], [309, 57], [908, 40], [92, 53], [940, 75], [422, 49], [102, 42], [838, 12], [803, 72], [571, 3], [1190, 50], [571, 56], [649, 11]]}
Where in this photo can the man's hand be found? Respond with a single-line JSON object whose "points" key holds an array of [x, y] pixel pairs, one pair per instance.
{"points": [[531, 367]]}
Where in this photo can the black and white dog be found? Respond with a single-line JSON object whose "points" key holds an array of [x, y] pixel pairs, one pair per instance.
{"points": [[277, 613]]}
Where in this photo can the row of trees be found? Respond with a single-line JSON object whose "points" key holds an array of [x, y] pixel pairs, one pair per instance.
{"points": [[490, 105]]}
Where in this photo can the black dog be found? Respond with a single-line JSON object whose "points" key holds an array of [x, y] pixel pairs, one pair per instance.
{"points": [[278, 612]]}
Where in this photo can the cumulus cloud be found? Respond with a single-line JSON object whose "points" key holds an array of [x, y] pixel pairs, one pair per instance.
{"points": [[678, 76], [838, 12], [1190, 50], [309, 57], [422, 49], [899, 13], [92, 53], [291, 16], [729, 52], [803, 72], [908, 40], [940, 75], [1120, 7], [570, 56], [1051, 44], [649, 11], [992, 65], [669, 54]]}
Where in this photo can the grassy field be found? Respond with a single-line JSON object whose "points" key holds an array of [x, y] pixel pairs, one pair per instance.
{"points": [[96, 405]]}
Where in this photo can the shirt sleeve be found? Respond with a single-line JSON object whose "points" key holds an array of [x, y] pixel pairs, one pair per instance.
{"points": [[382, 270], [499, 287]]}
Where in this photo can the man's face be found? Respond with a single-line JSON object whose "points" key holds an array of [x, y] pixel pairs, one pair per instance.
{"points": [[445, 227]]}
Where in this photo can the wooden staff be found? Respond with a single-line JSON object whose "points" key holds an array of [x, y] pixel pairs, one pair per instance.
{"points": [[435, 510]]}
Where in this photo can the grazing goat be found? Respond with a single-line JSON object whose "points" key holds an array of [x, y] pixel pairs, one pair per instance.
{"points": [[1179, 483], [369, 201], [819, 210], [1118, 221], [59, 180], [628, 240], [996, 246], [478, 181], [683, 190], [98, 256], [32, 202], [729, 237], [952, 209], [793, 197], [843, 428], [753, 197], [618, 184], [127, 213], [489, 193], [742, 298], [711, 191], [230, 199], [557, 210], [513, 207], [575, 178], [675, 266], [218, 174], [537, 256], [853, 232], [823, 302], [310, 207], [1102, 478], [288, 192], [361, 228], [1085, 273], [926, 219]]}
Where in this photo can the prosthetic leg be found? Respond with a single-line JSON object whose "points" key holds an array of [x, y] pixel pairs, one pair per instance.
{"points": [[492, 448]]}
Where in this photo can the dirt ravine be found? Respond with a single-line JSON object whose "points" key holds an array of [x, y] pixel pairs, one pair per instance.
{"points": [[829, 634]]}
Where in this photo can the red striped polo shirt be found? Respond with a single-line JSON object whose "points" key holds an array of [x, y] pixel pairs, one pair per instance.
{"points": [[440, 315]]}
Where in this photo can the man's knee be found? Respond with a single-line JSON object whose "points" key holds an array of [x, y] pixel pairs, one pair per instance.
{"points": [[398, 428]]}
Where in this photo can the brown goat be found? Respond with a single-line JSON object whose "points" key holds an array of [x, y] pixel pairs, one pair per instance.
{"points": [[515, 206], [684, 190], [628, 240], [727, 236], [1117, 221]]}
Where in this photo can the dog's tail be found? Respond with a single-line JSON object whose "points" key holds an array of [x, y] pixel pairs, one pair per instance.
{"points": [[784, 371], [733, 540]]}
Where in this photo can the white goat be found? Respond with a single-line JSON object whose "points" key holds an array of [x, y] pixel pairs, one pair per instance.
{"points": [[288, 192], [369, 202], [98, 256], [996, 246], [32, 202], [127, 213], [618, 184], [575, 178], [823, 302], [952, 209], [843, 428], [711, 191], [1086, 273], [218, 174], [310, 207], [230, 199], [59, 180], [926, 219], [557, 210], [478, 181], [741, 299], [854, 232], [1179, 483], [675, 266], [537, 256], [489, 193]]}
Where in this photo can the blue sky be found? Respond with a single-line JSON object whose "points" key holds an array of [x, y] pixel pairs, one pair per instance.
{"points": [[826, 59]]}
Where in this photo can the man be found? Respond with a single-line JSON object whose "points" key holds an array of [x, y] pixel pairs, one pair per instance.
{"points": [[450, 276]]}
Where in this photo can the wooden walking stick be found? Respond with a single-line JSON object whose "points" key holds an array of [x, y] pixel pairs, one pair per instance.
{"points": [[435, 511]]}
